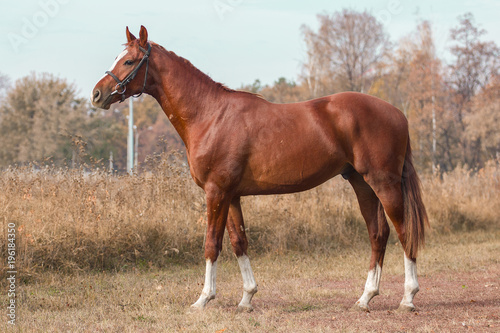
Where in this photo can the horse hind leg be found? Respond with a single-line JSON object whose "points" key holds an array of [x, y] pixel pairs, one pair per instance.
{"points": [[392, 199], [236, 230], [378, 231]]}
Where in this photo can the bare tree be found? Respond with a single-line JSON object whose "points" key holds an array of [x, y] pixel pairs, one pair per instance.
{"points": [[424, 89], [475, 64], [316, 70], [347, 47]]}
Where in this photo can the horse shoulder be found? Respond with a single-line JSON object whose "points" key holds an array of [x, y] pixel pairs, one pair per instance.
{"points": [[217, 153]]}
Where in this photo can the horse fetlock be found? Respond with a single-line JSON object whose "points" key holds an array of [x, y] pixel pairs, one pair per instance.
{"points": [[250, 290], [372, 293], [203, 300], [412, 290]]}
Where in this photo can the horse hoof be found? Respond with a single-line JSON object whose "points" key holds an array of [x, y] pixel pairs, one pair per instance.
{"points": [[195, 308], [360, 308], [244, 308], [406, 308]]}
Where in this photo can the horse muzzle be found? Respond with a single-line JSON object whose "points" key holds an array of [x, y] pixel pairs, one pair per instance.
{"points": [[99, 100]]}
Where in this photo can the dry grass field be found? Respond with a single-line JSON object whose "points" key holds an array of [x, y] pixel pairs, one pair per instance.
{"points": [[298, 292], [100, 252]]}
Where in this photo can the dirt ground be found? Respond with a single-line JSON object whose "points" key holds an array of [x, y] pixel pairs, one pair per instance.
{"points": [[447, 302], [459, 291]]}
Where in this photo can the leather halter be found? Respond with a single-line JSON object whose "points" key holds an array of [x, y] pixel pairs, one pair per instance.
{"points": [[122, 85]]}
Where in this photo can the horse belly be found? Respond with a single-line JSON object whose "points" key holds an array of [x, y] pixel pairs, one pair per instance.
{"points": [[287, 168]]}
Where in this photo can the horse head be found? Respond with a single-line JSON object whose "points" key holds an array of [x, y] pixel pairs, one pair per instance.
{"points": [[120, 80]]}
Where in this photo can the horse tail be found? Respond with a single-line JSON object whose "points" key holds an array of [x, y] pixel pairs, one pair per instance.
{"points": [[415, 214]]}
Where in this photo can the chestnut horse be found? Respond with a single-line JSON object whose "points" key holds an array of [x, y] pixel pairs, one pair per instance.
{"points": [[239, 144]]}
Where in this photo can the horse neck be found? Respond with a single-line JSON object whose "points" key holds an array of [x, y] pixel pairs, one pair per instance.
{"points": [[187, 96]]}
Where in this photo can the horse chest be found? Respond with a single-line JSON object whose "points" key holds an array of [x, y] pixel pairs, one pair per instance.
{"points": [[211, 166]]}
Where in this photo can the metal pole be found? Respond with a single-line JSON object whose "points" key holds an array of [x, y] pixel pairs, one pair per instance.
{"points": [[433, 134], [130, 138], [136, 147], [111, 161]]}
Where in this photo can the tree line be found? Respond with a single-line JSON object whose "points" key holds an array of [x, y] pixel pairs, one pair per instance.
{"points": [[452, 104], [43, 120]]}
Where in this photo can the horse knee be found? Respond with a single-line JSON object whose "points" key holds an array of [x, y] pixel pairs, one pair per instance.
{"points": [[212, 249]]}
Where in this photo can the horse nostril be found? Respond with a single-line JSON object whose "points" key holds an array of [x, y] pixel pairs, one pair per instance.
{"points": [[97, 95]]}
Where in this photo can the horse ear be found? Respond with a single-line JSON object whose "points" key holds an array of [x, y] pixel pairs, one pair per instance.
{"points": [[130, 37], [143, 36]]}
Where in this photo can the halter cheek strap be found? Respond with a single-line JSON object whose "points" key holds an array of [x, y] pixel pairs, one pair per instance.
{"points": [[121, 85]]}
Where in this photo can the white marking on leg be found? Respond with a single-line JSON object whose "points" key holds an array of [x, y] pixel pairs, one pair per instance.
{"points": [[411, 284], [249, 284], [371, 287], [208, 292]]}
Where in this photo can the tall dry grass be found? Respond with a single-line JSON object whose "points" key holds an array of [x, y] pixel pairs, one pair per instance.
{"points": [[464, 200], [69, 220]]}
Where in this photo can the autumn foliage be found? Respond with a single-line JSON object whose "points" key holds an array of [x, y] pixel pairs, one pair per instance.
{"points": [[72, 213], [450, 101]]}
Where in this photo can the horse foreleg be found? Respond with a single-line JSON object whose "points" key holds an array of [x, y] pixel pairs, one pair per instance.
{"points": [[217, 211], [208, 292], [378, 231], [236, 230]]}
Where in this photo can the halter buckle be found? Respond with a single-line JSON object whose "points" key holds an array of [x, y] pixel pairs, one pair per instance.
{"points": [[119, 92]]}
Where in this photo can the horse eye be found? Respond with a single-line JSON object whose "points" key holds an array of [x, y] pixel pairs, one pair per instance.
{"points": [[128, 62]]}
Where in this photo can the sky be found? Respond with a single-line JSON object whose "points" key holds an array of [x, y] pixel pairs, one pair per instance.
{"points": [[234, 41]]}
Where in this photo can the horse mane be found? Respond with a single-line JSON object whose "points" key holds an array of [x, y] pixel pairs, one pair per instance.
{"points": [[193, 69], [204, 78]]}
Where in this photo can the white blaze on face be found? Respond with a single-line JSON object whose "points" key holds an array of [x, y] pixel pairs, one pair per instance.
{"points": [[118, 58]]}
